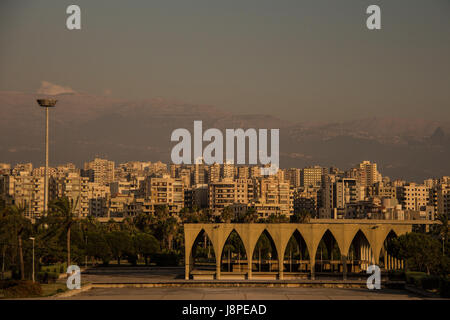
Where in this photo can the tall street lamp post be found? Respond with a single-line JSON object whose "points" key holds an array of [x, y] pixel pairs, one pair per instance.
{"points": [[46, 103]]}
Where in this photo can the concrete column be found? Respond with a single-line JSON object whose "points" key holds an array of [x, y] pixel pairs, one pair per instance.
{"points": [[218, 269], [186, 269], [312, 262], [361, 256], [366, 248], [249, 267], [280, 267], [187, 265], [344, 267]]}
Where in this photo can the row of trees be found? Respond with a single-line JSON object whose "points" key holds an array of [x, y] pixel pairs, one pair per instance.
{"points": [[424, 252], [62, 236], [249, 216]]}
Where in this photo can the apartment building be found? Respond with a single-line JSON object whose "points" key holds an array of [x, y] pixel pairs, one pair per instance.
{"points": [[273, 193], [307, 198], [214, 173], [311, 176], [75, 188], [25, 167], [98, 195], [99, 170], [443, 199], [293, 175], [368, 174], [414, 196], [229, 191], [24, 190], [165, 191]]}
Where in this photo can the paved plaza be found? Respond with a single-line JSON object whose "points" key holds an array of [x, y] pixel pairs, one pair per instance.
{"points": [[248, 293], [129, 276]]}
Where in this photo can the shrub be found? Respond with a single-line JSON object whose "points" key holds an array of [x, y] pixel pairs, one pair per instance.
{"points": [[444, 287], [47, 277], [430, 282], [396, 275], [414, 277], [166, 259], [20, 289]]}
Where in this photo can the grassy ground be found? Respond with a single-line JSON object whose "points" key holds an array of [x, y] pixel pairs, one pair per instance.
{"points": [[53, 288]]}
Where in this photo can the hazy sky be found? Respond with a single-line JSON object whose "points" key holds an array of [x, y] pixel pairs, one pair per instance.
{"points": [[297, 59]]}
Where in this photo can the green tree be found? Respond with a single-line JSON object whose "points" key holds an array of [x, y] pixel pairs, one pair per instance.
{"points": [[61, 213], [277, 218], [421, 251], [302, 216], [227, 214], [443, 230], [97, 247], [145, 245], [250, 216], [120, 244], [14, 226]]}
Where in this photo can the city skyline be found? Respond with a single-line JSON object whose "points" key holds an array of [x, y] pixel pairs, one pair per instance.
{"points": [[226, 150]]}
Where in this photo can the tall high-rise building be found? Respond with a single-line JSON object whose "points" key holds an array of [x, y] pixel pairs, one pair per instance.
{"points": [[414, 196], [337, 194], [214, 173], [165, 191], [5, 168], [229, 191], [311, 176], [200, 175], [243, 172], [293, 176], [228, 170], [24, 190], [255, 172], [368, 174], [22, 167], [99, 170], [443, 199], [75, 188]]}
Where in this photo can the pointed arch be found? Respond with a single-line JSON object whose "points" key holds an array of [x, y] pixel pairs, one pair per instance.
{"points": [[328, 254], [202, 252], [233, 256], [386, 260], [265, 255], [360, 252], [296, 254]]}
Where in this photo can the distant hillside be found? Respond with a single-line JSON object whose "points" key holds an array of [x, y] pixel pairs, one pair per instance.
{"points": [[83, 126]]}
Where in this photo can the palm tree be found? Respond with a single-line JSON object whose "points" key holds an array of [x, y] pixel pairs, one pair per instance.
{"points": [[443, 229], [251, 216], [18, 224], [62, 210], [302, 216], [227, 214], [170, 226]]}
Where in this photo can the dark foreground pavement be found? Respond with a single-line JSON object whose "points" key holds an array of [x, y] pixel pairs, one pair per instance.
{"points": [[259, 293]]}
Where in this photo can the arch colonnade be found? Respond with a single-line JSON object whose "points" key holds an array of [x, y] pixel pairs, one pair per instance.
{"points": [[363, 238]]}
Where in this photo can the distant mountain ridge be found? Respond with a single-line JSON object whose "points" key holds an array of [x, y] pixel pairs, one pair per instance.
{"points": [[84, 125]]}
